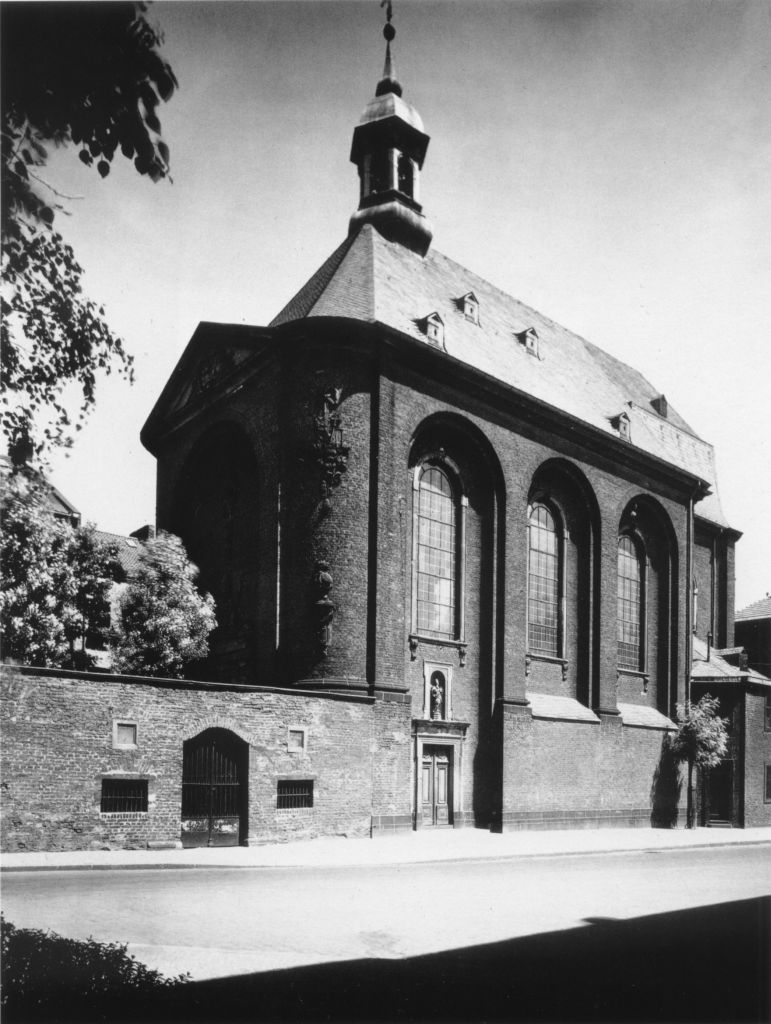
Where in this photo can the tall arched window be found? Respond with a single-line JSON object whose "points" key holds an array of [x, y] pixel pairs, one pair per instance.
{"points": [[437, 562], [543, 583], [630, 605]]}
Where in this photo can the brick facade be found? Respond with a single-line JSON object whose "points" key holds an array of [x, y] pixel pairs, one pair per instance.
{"points": [[58, 733]]}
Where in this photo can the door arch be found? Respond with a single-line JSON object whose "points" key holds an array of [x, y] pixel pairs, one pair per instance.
{"points": [[215, 767]]}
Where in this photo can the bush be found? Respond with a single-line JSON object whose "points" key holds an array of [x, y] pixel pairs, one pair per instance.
{"points": [[46, 977]]}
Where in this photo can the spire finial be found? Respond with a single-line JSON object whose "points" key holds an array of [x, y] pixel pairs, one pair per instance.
{"points": [[388, 82]]}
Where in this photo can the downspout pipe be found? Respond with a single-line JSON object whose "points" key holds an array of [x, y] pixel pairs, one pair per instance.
{"points": [[691, 794]]}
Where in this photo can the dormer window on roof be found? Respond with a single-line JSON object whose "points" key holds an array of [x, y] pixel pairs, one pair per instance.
{"points": [[659, 403], [529, 339], [433, 328], [622, 424], [470, 306]]}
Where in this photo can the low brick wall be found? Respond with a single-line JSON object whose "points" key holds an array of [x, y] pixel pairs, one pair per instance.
{"points": [[59, 744]]}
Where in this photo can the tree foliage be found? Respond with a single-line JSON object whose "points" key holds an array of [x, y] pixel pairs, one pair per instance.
{"points": [[90, 75], [701, 738], [56, 580], [162, 620]]}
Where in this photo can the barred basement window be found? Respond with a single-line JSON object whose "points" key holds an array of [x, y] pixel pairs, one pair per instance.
{"points": [[123, 796], [293, 793]]}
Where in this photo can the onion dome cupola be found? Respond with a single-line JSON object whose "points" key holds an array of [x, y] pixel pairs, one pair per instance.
{"points": [[389, 147]]}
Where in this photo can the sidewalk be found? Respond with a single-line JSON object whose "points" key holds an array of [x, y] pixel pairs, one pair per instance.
{"points": [[401, 848]]}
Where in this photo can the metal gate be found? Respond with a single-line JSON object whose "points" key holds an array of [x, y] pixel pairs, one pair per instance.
{"points": [[214, 789]]}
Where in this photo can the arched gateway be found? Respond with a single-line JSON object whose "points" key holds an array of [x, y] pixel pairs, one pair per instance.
{"points": [[214, 789]]}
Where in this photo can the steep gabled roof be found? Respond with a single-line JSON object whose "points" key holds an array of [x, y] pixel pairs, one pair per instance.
{"points": [[129, 548], [371, 279], [757, 610]]}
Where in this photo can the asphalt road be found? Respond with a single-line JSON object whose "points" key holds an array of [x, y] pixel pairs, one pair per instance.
{"points": [[622, 911]]}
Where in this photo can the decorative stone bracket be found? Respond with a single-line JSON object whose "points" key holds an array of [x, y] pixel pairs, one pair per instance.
{"points": [[415, 641], [330, 452], [530, 658]]}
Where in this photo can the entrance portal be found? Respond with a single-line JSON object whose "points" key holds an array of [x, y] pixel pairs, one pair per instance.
{"points": [[720, 794], [214, 773], [436, 775]]}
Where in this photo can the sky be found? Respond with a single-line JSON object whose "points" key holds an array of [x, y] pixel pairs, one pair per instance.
{"points": [[606, 162]]}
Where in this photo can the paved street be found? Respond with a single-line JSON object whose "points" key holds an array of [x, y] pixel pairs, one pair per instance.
{"points": [[220, 922]]}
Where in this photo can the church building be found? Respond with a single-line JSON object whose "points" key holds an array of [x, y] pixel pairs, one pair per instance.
{"points": [[458, 553], [412, 486]]}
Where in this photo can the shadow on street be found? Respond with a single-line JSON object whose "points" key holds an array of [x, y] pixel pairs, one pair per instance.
{"points": [[707, 964]]}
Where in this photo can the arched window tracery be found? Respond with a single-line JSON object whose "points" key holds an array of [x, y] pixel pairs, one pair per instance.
{"points": [[437, 576], [631, 604], [544, 582]]}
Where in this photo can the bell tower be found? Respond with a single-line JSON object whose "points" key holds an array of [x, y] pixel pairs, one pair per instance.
{"points": [[389, 147]]}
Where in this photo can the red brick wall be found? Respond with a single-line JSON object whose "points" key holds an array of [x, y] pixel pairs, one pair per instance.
{"points": [[58, 744], [757, 754], [560, 774]]}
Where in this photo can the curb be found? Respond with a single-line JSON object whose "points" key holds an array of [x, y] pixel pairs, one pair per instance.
{"points": [[459, 859]]}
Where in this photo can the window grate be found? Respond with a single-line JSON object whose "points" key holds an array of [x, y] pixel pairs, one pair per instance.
{"points": [[124, 796], [292, 794]]}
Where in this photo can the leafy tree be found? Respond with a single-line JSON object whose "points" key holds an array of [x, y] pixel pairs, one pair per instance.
{"points": [[701, 740], [96, 568], [73, 73], [56, 579], [162, 620]]}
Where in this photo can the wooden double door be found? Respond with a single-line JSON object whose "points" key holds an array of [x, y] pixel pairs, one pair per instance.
{"points": [[436, 786]]}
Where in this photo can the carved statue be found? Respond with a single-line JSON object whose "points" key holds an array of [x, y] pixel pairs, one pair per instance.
{"points": [[437, 696], [323, 606], [331, 453]]}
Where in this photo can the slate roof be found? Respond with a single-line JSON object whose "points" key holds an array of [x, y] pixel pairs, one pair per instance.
{"points": [[128, 548], [371, 279], [719, 670], [757, 610], [644, 717], [565, 709]]}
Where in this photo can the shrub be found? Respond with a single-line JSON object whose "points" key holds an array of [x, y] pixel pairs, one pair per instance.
{"points": [[46, 977]]}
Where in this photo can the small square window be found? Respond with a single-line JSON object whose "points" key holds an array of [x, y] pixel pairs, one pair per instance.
{"points": [[297, 740], [124, 734], [124, 796], [293, 794]]}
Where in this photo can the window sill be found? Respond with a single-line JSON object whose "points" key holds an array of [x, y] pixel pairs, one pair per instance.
{"points": [[415, 639], [547, 659]]}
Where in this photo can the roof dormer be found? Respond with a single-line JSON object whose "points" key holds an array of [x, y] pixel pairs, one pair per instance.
{"points": [[623, 425], [529, 341], [659, 403], [433, 328], [469, 306]]}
